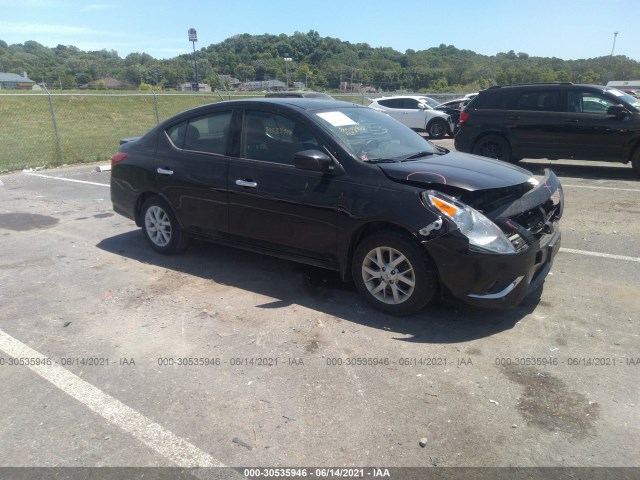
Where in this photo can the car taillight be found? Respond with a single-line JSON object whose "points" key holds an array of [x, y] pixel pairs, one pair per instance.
{"points": [[118, 157], [463, 116]]}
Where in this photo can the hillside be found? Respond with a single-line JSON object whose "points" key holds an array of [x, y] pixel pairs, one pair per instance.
{"points": [[319, 62]]}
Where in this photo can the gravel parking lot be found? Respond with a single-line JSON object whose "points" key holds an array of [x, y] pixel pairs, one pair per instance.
{"points": [[112, 355]]}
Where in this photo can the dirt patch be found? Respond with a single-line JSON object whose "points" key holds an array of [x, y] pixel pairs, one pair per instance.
{"points": [[21, 222], [549, 404]]}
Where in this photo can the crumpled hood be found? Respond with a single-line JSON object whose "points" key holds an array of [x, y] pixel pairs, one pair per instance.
{"points": [[470, 172]]}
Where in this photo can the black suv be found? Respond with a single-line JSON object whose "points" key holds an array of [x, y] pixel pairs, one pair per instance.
{"points": [[552, 120]]}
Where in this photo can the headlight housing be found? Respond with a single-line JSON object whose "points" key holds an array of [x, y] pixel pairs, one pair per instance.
{"points": [[480, 231]]}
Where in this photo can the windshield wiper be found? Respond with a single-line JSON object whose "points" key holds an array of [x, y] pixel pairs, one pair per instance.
{"points": [[424, 153], [380, 160]]}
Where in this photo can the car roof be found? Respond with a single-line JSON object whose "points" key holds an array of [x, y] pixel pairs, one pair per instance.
{"points": [[297, 93], [308, 104], [547, 84], [415, 97]]}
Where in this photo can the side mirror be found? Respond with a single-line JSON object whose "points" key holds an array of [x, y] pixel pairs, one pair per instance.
{"points": [[313, 160], [617, 111]]}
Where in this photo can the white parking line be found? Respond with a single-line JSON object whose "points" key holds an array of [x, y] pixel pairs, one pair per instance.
{"points": [[603, 255], [170, 446], [67, 179], [602, 188]]}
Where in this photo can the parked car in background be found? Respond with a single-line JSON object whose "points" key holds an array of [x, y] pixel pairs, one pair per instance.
{"points": [[633, 92], [453, 109], [298, 94], [344, 187], [416, 113], [552, 120]]}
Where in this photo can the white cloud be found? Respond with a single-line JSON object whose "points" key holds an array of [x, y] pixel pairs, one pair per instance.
{"points": [[97, 7], [43, 28], [31, 3], [33, 31]]}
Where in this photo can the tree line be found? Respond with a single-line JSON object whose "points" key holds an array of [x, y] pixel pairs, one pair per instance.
{"points": [[320, 63]]}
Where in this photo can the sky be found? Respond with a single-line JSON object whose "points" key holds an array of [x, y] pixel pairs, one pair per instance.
{"points": [[568, 29]]}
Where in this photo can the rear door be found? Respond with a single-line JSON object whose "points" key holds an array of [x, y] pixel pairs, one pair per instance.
{"points": [[537, 126], [192, 170], [406, 111]]}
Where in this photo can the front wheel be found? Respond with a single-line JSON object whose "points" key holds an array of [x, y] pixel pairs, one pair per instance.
{"points": [[161, 228], [437, 129], [493, 146], [393, 273]]}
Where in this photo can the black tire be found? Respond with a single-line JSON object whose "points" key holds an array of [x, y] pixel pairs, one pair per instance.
{"points": [[437, 129], [493, 146], [161, 228], [405, 282], [635, 161]]}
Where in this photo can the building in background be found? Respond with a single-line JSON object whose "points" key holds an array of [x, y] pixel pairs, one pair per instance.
{"points": [[190, 87], [13, 81]]}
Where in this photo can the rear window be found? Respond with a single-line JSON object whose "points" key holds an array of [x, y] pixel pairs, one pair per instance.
{"points": [[498, 99], [539, 101]]}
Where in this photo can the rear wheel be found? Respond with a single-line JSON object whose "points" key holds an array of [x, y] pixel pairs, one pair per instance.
{"points": [[635, 161], [437, 129], [394, 273], [161, 228], [493, 146]]}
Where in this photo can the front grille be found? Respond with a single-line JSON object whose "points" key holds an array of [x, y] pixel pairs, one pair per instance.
{"points": [[536, 222]]}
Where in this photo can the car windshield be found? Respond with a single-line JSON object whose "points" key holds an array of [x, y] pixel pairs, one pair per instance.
{"points": [[625, 97], [373, 136], [429, 101]]}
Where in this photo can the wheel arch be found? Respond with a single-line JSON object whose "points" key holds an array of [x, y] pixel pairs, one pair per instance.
{"points": [[492, 133], [513, 151], [143, 197], [367, 229]]}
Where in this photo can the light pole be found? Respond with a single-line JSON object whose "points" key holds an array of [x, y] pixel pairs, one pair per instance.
{"points": [[193, 38], [286, 69], [615, 35]]}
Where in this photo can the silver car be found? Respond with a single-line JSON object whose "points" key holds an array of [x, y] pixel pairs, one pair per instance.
{"points": [[416, 113]]}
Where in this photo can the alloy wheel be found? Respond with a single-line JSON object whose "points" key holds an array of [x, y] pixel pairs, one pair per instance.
{"points": [[388, 275]]}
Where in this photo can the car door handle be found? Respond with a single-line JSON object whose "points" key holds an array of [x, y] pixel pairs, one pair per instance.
{"points": [[164, 171], [246, 183]]}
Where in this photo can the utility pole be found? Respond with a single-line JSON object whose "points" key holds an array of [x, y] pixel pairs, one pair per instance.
{"points": [[193, 38], [615, 35], [286, 69]]}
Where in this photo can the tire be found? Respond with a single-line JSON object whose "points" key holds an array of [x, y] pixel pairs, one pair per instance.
{"points": [[161, 228], [405, 282], [493, 146], [635, 161], [437, 129]]}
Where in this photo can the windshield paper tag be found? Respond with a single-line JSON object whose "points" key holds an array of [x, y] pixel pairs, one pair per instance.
{"points": [[337, 119]]}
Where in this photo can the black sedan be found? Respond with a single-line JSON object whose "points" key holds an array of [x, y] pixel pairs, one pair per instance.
{"points": [[344, 187]]}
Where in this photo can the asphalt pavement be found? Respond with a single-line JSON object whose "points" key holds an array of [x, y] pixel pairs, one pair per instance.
{"points": [[114, 356]]}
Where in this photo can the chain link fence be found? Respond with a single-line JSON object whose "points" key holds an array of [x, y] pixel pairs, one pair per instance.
{"points": [[48, 129]]}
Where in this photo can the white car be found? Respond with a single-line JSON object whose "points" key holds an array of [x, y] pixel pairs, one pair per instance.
{"points": [[415, 112]]}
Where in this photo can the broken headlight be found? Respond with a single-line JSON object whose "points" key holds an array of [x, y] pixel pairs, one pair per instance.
{"points": [[480, 231]]}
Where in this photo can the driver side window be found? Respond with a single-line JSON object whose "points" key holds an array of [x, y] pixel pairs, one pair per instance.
{"points": [[272, 137], [588, 102]]}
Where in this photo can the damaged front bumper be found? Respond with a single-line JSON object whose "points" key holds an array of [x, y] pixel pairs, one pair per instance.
{"points": [[482, 278]]}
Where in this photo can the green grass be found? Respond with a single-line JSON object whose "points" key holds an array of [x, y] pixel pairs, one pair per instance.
{"points": [[89, 125]]}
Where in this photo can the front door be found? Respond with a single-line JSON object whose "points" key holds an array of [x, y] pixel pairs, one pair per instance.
{"points": [[591, 132], [271, 202]]}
